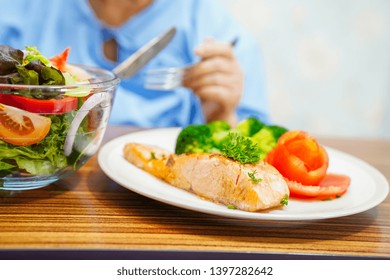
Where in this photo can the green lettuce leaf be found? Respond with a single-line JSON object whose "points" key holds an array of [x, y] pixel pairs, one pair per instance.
{"points": [[6, 166], [42, 158], [36, 167], [26, 77], [33, 54], [31, 69], [9, 59]]}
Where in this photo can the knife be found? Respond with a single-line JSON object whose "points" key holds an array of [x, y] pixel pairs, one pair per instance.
{"points": [[137, 60]]}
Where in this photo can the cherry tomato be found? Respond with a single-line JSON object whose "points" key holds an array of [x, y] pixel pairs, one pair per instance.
{"points": [[298, 157], [49, 106], [22, 128]]}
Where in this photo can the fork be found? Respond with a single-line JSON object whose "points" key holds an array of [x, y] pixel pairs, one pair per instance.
{"points": [[166, 78], [169, 78]]}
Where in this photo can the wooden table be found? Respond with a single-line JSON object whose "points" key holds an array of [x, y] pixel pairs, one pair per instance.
{"points": [[87, 215]]}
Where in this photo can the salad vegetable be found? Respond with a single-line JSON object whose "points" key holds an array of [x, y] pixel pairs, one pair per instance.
{"points": [[41, 106], [22, 128], [42, 158], [34, 124], [88, 105], [59, 61], [29, 69]]}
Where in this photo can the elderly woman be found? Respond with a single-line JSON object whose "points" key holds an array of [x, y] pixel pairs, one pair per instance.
{"points": [[227, 83]]}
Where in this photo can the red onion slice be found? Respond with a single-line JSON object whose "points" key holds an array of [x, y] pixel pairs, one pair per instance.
{"points": [[88, 105]]}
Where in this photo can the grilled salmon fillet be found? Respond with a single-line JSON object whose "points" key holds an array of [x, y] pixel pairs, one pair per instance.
{"points": [[249, 187]]}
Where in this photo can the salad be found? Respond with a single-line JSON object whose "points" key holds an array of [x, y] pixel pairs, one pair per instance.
{"points": [[35, 122]]}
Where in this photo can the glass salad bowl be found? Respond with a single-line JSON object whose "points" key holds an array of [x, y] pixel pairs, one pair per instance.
{"points": [[50, 131]]}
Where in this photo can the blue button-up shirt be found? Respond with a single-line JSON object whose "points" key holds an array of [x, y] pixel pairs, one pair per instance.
{"points": [[54, 25]]}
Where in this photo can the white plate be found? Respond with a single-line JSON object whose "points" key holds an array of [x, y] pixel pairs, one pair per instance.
{"points": [[368, 186]]}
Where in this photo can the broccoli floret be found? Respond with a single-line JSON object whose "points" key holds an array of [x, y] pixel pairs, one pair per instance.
{"points": [[219, 131], [248, 142], [194, 139], [218, 139], [218, 126], [240, 148], [277, 131], [202, 138], [267, 138], [249, 127]]}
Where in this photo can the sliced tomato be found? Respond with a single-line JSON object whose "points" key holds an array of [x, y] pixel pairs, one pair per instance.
{"points": [[332, 186], [59, 61], [299, 157], [49, 106], [22, 128]]}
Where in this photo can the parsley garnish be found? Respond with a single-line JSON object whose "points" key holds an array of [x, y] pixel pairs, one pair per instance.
{"points": [[240, 148], [230, 206], [253, 178], [284, 200], [152, 156]]}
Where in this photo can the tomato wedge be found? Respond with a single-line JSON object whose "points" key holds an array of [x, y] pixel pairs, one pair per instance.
{"points": [[299, 157], [304, 163], [22, 128], [49, 106], [59, 61], [332, 186]]}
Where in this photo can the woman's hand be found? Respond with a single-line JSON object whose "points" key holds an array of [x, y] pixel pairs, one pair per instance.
{"points": [[217, 80]]}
